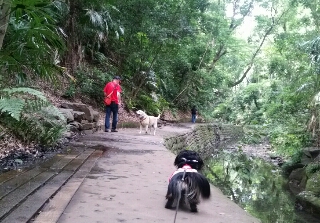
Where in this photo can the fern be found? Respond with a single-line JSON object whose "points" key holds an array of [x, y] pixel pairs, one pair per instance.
{"points": [[29, 115], [25, 90], [12, 106], [14, 101]]}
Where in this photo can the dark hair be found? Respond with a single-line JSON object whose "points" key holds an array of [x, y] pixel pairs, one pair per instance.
{"points": [[117, 78]]}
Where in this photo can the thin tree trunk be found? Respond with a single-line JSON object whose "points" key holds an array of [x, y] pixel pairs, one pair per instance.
{"points": [[4, 19], [233, 25], [250, 64], [72, 57]]}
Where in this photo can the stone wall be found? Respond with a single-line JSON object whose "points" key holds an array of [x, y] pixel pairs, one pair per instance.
{"points": [[205, 139]]}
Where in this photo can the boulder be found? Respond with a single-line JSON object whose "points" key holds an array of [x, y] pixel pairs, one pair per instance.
{"points": [[96, 116], [297, 180], [74, 126], [82, 108], [67, 113], [87, 126], [78, 116], [310, 202], [313, 184], [311, 152]]}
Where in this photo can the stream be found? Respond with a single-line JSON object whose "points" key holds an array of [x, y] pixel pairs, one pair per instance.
{"points": [[257, 186]]}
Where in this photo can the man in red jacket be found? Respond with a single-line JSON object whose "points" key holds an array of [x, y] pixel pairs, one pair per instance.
{"points": [[113, 88]]}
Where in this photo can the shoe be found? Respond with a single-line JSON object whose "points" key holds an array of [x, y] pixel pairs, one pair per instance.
{"points": [[114, 130], [107, 130]]}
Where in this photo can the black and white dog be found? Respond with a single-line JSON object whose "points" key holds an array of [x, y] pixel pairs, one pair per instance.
{"points": [[186, 184]]}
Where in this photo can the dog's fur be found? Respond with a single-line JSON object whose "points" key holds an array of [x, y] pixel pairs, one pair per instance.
{"points": [[192, 186], [147, 121], [189, 157]]}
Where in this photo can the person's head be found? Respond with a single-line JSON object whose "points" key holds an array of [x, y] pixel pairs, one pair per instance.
{"points": [[117, 79]]}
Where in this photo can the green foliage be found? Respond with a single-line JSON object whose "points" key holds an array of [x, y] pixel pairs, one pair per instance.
{"points": [[43, 127], [89, 83], [14, 101], [176, 54], [292, 162], [313, 184], [255, 134], [12, 106], [32, 40], [29, 115], [312, 168], [150, 104], [71, 90], [289, 141]]}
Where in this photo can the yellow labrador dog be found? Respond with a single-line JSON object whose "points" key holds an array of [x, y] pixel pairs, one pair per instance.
{"points": [[147, 121]]}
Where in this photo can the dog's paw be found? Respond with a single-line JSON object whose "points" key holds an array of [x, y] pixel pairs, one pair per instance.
{"points": [[193, 208], [168, 206]]}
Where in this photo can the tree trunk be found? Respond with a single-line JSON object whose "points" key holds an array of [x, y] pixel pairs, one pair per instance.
{"points": [[251, 62], [4, 19], [72, 57]]}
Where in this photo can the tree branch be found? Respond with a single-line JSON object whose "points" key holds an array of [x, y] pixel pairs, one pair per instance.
{"points": [[250, 64]]}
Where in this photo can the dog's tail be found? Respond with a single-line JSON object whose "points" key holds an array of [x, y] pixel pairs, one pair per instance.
{"points": [[202, 184], [177, 186], [193, 185]]}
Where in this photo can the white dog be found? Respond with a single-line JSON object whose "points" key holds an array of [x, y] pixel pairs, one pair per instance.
{"points": [[148, 121]]}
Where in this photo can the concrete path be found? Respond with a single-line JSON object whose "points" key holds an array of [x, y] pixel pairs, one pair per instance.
{"points": [[129, 182]]}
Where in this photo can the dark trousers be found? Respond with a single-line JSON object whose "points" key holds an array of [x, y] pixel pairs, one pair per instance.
{"points": [[112, 108], [193, 118]]}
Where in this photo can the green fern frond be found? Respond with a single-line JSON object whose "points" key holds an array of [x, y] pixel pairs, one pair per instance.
{"points": [[24, 90], [12, 106], [15, 100]]}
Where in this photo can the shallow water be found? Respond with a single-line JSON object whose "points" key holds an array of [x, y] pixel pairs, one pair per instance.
{"points": [[257, 186]]}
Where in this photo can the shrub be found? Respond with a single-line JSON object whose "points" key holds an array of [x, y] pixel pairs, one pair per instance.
{"points": [[90, 83], [28, 115]]}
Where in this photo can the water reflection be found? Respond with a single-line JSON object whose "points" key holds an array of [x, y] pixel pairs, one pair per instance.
{"points": [[257, 186]]}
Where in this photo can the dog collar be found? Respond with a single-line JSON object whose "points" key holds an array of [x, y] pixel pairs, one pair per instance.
{"points": [[141, 120]]}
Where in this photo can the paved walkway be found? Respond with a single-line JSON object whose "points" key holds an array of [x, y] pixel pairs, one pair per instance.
{"points": [[129, 182]]}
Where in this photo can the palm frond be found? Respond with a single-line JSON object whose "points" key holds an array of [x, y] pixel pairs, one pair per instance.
{"points": [[95, 18]]}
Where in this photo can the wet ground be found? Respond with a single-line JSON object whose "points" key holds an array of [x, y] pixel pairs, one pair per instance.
{"points": [[129, 183], [107, 177]]}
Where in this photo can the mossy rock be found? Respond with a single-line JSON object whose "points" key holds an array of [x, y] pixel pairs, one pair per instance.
{"points": [[313, 184], [310, 201]]}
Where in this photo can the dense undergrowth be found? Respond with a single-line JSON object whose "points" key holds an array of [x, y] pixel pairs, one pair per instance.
{"points": [[171, 56]]}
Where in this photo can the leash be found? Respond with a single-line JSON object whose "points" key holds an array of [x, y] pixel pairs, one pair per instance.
{"points": [[175, 216]]}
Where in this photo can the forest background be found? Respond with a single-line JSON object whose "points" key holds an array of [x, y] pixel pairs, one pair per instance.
{"points": [[247, 62]]}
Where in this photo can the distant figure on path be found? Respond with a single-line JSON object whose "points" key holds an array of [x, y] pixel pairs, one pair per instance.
{"points": [[194, 112], [113, 89]]}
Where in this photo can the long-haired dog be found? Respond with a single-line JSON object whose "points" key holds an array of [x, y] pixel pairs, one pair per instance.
{"points": [[186, 184]]}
